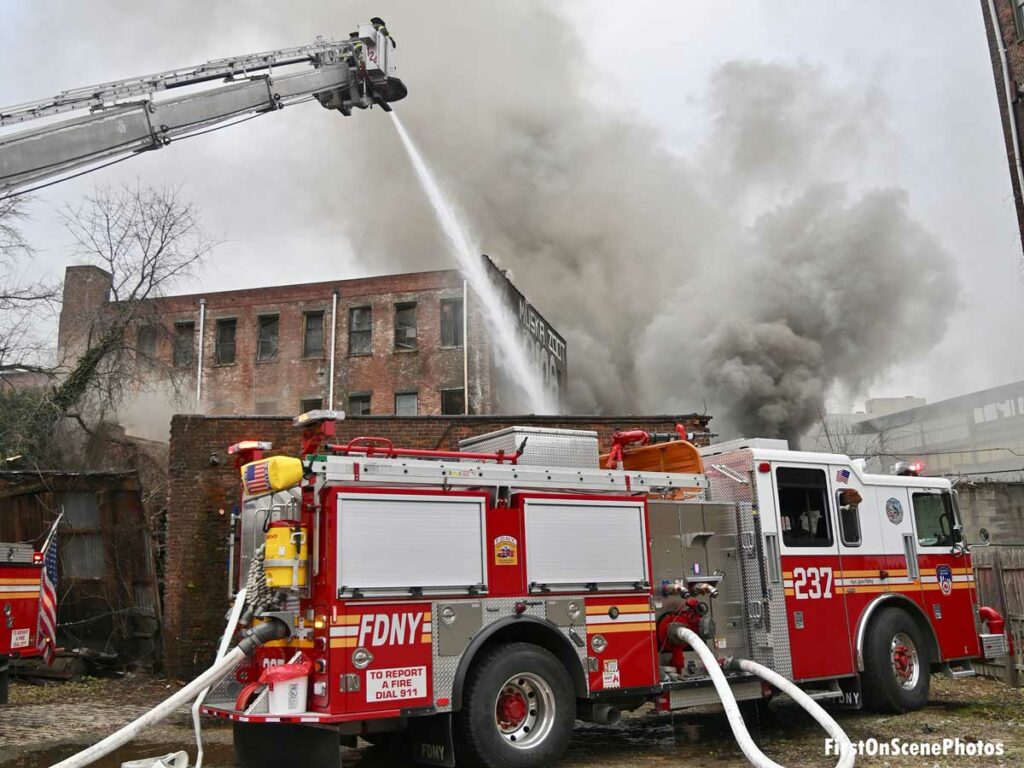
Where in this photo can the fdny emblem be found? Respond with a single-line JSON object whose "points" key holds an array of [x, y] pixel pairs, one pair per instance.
{"points": [[506, 550], [894, 511], [945, 574]]}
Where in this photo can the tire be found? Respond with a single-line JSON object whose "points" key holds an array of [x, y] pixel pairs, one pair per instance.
{"points": [[897, 669], [528, 687], [5, 678]]}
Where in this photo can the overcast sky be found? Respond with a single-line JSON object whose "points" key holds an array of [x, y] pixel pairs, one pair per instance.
{"points": [[261, 185]]}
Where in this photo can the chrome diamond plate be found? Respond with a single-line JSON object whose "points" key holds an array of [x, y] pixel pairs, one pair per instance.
{"points": [[699, 697], [224, 693], [544, 447]]}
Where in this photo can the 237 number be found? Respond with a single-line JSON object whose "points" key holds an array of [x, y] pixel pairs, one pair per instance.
{"points": [[812, 583]]}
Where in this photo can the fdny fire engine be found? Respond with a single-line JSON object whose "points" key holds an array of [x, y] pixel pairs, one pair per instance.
{"points": [[20, 582], [474, 604]]}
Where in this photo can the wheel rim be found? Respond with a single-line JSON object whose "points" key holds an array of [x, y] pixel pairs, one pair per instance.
{"points": [[524, 710], [906, 663]]}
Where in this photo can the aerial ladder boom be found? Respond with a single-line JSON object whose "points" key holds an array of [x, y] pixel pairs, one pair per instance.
{"points": [[125, 117]]}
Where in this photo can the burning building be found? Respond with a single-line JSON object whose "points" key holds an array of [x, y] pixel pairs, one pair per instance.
{"points": [[409, 344]]}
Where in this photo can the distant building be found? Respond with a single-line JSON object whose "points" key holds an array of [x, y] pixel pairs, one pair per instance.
{"points": [[979, 435], [1005, 33], [409, 344]]}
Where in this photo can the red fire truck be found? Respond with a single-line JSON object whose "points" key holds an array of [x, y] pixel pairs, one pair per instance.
{"points": [[20, 570], [474, 604]]}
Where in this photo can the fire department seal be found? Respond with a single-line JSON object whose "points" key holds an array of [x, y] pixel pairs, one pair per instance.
{"points": [[894, 511], [945, 575], [506, 550]]}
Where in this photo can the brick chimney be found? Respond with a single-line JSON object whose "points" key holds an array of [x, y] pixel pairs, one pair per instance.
{"points": [[86, 293]]}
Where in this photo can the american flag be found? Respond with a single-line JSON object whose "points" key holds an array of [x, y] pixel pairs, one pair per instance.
{"points": [[843, 476], [257, 477], [46, 633]]}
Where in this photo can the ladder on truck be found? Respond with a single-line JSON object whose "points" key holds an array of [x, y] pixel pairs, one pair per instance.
{"points": [[464, 474]]}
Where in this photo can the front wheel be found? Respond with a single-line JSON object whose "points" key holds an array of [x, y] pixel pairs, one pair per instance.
{"points": [[518, 709], [897, 670]]}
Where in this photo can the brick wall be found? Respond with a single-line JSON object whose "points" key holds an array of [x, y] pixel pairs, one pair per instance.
{"points": [[203, 487]]}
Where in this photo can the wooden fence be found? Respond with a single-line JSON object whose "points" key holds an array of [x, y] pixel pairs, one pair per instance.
{"points": [[999, 571]]}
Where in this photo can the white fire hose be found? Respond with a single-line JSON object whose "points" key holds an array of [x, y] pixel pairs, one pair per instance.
{"points": [[750, 750], [270, 630]]}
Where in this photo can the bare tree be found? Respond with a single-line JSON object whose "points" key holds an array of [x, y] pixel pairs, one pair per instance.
{"points": [[147, 239]]}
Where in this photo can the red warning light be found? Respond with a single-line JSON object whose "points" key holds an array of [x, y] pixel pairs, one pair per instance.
{"points": [[764, 467]]}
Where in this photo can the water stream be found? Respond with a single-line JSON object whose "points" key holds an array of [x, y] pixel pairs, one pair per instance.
{"points": [[510, 353]]}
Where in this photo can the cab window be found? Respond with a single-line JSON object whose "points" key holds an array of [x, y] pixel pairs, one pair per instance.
{"points": [[848, 503], [934, 518], [803, 507]]}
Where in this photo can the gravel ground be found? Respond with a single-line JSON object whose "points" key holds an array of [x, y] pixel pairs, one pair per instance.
{"points": [[46, 722]]}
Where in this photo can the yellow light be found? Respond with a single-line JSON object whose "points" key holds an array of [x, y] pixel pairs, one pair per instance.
{"points": [[320, 622]]}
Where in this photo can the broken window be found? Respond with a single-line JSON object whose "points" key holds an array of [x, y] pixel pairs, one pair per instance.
{"points": [[359, 404], [405, 326], [311, 404], [453, 401], [145, 342], [451, 322], [360, 331], [184, 343], [313, 335], [225, 350], [266, 347]]}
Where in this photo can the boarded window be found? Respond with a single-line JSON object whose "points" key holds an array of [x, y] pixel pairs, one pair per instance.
{"points": [[405, 326], [82, 549], [145, 342], [406, 404], [266, 408], [359, 404], [313, 335], [451, 323], [266, 347], [360, 331], [225, 351], [453, 401], [184, 343]]}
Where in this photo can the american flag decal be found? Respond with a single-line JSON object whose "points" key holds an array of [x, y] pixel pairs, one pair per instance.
{"points": [[257, 477], [843, 476], [46, 634]]}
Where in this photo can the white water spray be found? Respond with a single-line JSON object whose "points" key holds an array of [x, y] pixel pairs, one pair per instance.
{"points": [[500, 320]]}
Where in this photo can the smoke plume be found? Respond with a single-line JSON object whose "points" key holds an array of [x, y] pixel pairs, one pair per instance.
{"points": [[745, 275]]}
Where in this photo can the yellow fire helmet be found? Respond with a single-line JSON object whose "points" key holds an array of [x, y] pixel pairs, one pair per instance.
{"points": [[277, 473]]}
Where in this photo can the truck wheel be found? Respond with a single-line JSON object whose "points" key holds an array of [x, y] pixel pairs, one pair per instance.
{"points": [[518, 709], [5, 678], [897, 670]]}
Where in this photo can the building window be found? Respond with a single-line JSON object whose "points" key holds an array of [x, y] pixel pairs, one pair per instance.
{"points": [[1018, 19], [803, 506], [406, 403], [313, 334], [451, 322], [453, 401], [359, 404], [225, 351], [405, 326], [360, 331], [266, 344], [311, 404], [266, 408], [145, 342], [184, 343], [848, 500]]}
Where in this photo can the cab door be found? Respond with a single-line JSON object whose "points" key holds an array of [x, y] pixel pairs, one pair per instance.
{"points": [[815, 605], [947, 580]]}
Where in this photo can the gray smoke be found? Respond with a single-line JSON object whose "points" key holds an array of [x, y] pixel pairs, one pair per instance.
{"points": [[753, 273], [744, 275]]}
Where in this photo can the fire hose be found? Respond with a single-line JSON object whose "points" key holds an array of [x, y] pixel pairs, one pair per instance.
{"points": [[262, 633], [732, 711]]}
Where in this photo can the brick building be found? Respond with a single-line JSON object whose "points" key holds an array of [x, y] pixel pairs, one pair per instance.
{"points": [[1004, 27], [410, 344]]}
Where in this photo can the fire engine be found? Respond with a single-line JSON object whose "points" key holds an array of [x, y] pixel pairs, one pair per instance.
{"points": [[473, 604], [20, 581]]}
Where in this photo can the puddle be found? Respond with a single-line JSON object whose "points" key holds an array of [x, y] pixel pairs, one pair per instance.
{"points": [[215, 755]]}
